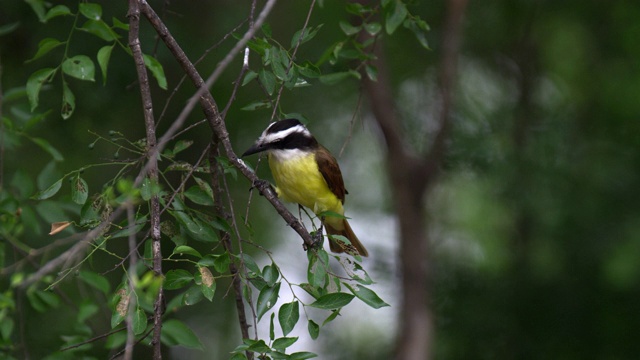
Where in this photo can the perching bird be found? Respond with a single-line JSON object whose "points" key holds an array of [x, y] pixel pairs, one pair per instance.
{"points": [[306, 173]]}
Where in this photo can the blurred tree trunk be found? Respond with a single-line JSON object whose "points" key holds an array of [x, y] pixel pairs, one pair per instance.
{"points": [[411, 176]]}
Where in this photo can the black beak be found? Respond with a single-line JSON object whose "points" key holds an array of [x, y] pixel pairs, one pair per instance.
{"points": [[256, 148]]}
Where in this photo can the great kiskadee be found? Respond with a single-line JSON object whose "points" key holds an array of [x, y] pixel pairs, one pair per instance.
{"points": [[306, 173]]}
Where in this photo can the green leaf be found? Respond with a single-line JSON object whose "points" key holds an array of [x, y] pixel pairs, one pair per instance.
{"points": [[317, 270], [9, 28], [309, 34], [48, 192], [248, 77], [334, 78], [272, 327], [349, 29], [176, 279], [175, 332], [198, 196], [139, 321], [91, 10], [79, 190], [100, 29], [283, 343], [368, 296], [44, 46], [264, 104], [302, 355], [250, 264], [288, 316], [58, 10], [396, 16], [46, 146], [268, 80], [332, 301], [97, 281], [186, 250], [35, 82], [221, 263], [119, 24], [80, 67], [156, 70], [131, 229], [270, 274], [204, 186], [267, 299], [419, 28], [314, 329], [104, 54], [86, 310], [373, 28], [68, 101], [193, 295], [38, 7]]}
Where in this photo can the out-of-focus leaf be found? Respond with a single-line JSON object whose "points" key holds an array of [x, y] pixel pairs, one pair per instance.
{"points": [[175, 332], [44, 46], [91, 11], [68, 101], [104, 54], [48, 192], [57, 227], [395, 17], [35, 82], [80, 67], [58, 10], [100, 29]]}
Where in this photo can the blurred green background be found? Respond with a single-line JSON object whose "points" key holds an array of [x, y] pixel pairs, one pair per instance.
{"points": [[535, 221]]}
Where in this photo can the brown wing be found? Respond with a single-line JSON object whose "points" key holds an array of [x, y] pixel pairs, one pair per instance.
{"points": [[330, 171]]}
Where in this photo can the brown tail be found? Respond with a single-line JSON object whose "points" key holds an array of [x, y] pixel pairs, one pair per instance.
{"points": [[356, 246]]}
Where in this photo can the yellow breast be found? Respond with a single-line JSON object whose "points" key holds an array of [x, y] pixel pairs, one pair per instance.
{"points": [[299, 180]]}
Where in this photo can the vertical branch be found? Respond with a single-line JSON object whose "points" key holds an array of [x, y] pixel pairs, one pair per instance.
{"points": [[411, 176], [147, 104]]}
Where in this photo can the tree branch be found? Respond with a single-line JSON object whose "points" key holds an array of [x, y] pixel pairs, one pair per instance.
{"points": [[152, 165], [213, 115]]}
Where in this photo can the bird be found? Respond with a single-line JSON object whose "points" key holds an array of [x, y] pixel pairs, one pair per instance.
{"points": [[306, 173]]}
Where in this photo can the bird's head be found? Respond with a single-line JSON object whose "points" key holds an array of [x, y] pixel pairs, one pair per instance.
{"points": [[283, 136]]}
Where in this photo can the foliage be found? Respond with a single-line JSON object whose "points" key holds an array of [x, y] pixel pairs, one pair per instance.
{"points": [[195, 231]]}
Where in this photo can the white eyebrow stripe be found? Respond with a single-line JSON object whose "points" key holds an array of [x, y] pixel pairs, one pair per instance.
{"points": [[268, 138]]}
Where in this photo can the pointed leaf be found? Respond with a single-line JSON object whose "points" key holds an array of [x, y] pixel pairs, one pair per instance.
{"points": [[139, 321], [104, 54], [46, 146], [96, 280], [90, 10], [35, 82], [288, 316], [368, 296], [44, 46], [267, 299], [176, 279], [175, 332], [80, 67], [314, 329], [188, 250], [284, 342], [100, 29], [396, 16], [68, 101], [58, 10], [48, 192], [332, 301], [156, 70]]}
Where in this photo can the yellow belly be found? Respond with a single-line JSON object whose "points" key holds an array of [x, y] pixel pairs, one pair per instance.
{"points": [[298, 180]]}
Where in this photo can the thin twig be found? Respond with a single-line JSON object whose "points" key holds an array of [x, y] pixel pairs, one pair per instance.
{"points": [[133, 281]]}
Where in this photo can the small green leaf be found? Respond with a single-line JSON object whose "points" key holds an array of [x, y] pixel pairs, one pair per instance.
{"points": [[349, 29], [9, 28], [288, 316], [131, 229], [46, 146], [58, 10], [156, 70], [302, 355], [91, 10], [396, 16], [309, 34], [80, 67], [314, 329], [257, 105], [267, 299], [79, 190], [100, 29], [272, 327], [38, 7], [139, 321], [48, 192], [373, 28], [86, 310], [368, 296], [104, 54], [44, 46], [270, 274], [198, 196], [372, 72], [68, 101], [193, 295], [204, 186], [334, 78], [175, 332], [119, 24], [97, 281], [284, 342], [186, 250], [268, 80], [176, 279], [35, 82], [332, 301], [317, 269], [248, 77], [221, 263]]}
